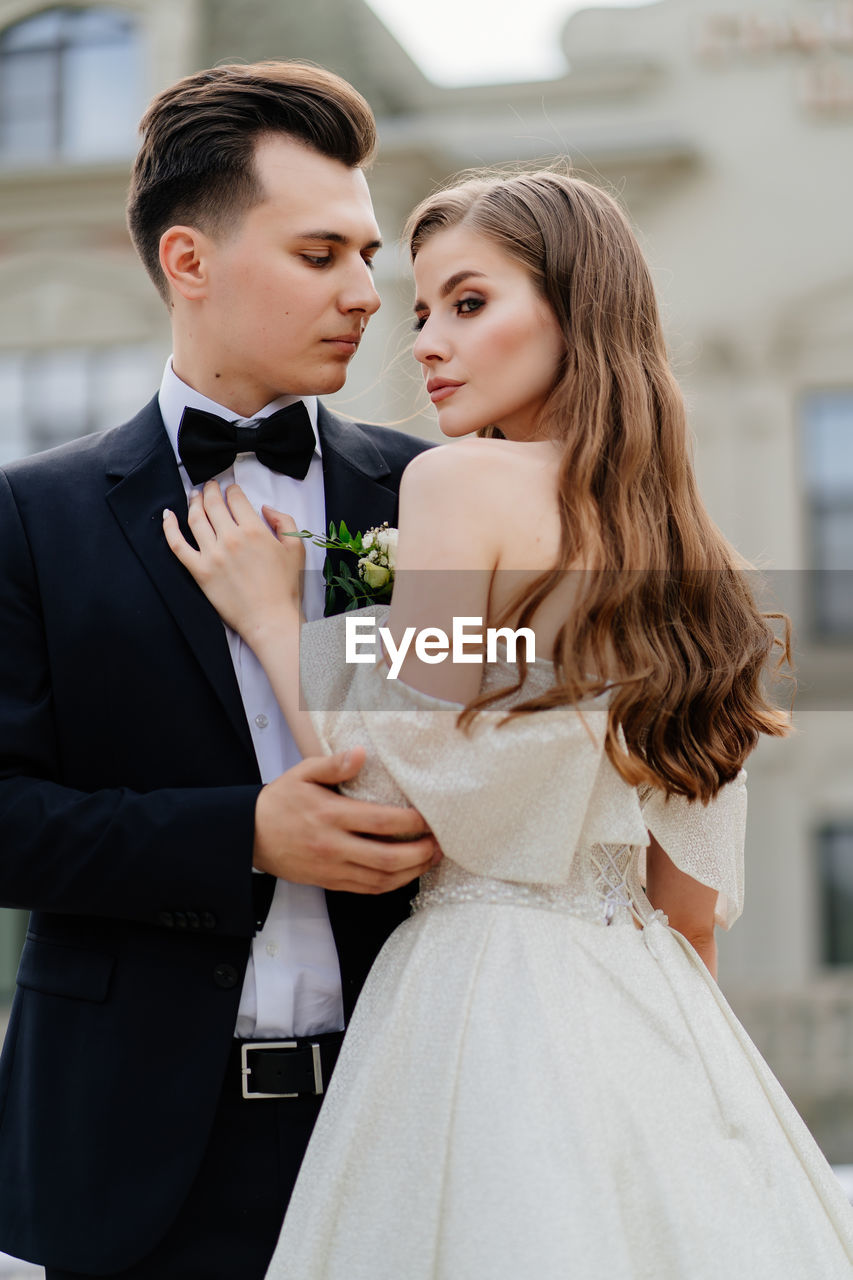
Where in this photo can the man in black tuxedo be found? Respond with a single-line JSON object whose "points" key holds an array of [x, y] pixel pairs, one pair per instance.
{"points": [[179, 922]]}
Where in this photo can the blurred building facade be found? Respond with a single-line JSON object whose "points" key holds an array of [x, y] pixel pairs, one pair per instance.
{"points": [[727, 132]]}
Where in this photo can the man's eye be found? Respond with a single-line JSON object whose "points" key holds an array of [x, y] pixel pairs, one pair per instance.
{"points": [[320, 261], [370, 263]]}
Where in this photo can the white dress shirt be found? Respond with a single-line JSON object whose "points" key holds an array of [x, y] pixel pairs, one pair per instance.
{"points": [[293, 980]]}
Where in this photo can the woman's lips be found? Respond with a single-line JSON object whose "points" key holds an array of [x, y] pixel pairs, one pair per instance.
{"points": [[440, 391]]}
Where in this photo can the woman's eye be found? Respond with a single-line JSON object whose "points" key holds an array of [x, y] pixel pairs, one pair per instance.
{"points": [[467, 306], [419, 323]]}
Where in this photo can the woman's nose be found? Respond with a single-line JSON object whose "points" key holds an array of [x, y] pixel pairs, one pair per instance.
{"points": [[429, 345]]}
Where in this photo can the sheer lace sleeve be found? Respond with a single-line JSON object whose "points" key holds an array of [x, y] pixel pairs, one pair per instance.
{"points": [[705, 841]]}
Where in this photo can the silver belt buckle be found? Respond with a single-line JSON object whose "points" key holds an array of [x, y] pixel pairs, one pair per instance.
{"points": [[246, 1070]]}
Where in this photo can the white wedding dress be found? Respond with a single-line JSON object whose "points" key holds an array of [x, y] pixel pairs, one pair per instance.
{"points": [[533, 1087]]}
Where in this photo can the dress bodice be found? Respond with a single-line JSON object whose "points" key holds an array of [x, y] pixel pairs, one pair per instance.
{"points": [[533, 800]]}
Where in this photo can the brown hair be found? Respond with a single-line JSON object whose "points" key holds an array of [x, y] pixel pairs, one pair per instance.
{"points": [[196, 161], [663, 606]]}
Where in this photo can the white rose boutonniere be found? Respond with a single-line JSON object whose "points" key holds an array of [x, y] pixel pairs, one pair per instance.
{"points": [[376, 558], [376, 566]]}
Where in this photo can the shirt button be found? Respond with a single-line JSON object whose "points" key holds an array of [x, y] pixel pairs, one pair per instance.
{"points": [[262, 721], [272, 948]]}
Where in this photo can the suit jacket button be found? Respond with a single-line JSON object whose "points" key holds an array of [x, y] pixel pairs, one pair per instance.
{"points": [[166, 919], [193, 920], [226, 976], [180, 920], [208, 920]]}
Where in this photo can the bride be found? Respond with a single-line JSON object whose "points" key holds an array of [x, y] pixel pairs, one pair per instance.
{"points": [[542, 1077]]}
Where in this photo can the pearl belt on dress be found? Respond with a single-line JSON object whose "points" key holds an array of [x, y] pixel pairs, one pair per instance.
{"points": [[604, 890]]}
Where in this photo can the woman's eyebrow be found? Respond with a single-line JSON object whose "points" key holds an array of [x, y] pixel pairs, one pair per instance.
{"points": [[456, 279], [449, 285]]}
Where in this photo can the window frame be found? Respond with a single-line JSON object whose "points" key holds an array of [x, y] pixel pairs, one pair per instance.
{"points": [[59, 150], [834, 955], [818, 510]]}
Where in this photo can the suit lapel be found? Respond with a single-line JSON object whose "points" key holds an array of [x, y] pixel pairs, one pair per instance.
{"points": [[145, 480], [353, 471]]}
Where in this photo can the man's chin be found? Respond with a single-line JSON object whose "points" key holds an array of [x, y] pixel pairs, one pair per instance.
{"points": [[328, 381], [313, 382]]}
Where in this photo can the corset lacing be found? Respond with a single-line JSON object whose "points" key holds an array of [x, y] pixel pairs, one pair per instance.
{"points": [[603, 888]]}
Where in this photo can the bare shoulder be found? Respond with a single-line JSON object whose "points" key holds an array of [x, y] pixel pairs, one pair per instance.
{"points": [[441, 461], [493, 502], [469, 467], [442, 477], [446, 503]]}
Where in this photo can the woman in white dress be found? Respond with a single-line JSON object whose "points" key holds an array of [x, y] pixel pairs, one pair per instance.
{"points": [[542, 1077]]}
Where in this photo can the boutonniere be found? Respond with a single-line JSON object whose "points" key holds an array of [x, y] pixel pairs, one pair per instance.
{"points": [[376, 556]]}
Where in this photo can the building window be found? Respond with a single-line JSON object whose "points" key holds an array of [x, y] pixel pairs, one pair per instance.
{"points": [[835, 853], [53, 396], [827, 437], [70, 87]]}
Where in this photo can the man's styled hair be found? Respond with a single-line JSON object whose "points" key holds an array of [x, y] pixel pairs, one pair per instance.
{"points": [[196, 162]]}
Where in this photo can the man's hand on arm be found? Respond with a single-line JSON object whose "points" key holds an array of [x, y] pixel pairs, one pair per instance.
{"points": [[306, 833]]}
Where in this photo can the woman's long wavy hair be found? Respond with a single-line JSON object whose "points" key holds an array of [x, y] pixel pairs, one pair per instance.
{"points": [[663, 605]]}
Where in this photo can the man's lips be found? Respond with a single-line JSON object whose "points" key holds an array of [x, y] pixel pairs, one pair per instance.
{"points": [[441, 388], [346, 343]]}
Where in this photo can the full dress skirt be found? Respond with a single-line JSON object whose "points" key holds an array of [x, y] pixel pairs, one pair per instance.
{"points": [[541, 1079]]}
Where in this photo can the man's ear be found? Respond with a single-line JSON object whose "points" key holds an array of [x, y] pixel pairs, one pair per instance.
{"points": [[184, 257]]}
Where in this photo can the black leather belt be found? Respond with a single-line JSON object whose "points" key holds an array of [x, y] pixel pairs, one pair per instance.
{"points": [[288, 1068]]}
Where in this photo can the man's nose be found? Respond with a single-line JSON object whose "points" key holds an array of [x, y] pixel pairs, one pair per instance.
{"points": [[361, 293]]}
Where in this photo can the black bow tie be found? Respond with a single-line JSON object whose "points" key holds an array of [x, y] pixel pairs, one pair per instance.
{"points": [[284, 442]]}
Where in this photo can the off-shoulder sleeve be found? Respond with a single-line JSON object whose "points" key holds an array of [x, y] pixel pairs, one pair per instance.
{"points": [[705, 840], [506, 799]]}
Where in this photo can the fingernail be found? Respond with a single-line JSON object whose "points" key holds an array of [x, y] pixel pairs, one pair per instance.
{"points": [[346, 760], [166, 512]]}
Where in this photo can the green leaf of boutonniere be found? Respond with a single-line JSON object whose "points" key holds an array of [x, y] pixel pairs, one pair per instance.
{"points": [[376, 553]]}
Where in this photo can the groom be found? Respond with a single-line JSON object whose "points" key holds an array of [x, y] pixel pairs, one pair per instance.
{"points": [[179, 922]]}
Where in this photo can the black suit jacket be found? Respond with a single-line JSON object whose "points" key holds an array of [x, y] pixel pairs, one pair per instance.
{"points": [[127, 792]]}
